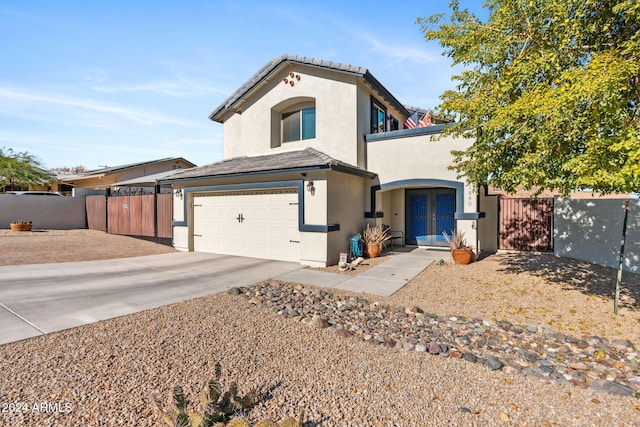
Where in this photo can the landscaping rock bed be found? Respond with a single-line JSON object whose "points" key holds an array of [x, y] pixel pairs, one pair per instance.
{"points": [[586, 361]]}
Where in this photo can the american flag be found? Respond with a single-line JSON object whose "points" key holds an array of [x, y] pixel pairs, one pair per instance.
{"points": [[412, 121], [426, 120]]}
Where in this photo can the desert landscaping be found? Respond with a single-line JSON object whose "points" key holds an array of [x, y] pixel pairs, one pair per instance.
{"points": [[348, 366]]}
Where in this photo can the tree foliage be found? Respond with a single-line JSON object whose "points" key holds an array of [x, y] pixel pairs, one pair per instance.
{"points": [[550, 92], [21, 169]]}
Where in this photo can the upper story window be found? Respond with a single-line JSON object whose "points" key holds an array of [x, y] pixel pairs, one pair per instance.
{"points": [[394, 124], [293, 120], [299, 124], [378, 116]]}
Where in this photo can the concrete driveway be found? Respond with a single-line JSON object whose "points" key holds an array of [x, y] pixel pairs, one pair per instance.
{"points": [[37, 299]]}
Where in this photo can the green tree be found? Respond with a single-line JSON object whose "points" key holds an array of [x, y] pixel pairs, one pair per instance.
{"points": [[19, 170], [549, 90]]}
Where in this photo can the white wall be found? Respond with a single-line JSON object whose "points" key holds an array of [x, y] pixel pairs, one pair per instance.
{"points": [[249, 133], [46, 212], [591, 230]]}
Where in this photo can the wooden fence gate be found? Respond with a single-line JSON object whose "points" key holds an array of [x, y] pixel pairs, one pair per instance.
{"points": [[526, 224], [96, 207], [131, 215]]}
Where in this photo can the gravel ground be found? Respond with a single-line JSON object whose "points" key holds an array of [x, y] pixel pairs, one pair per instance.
{"points": [[571, 296], [103, 374]]}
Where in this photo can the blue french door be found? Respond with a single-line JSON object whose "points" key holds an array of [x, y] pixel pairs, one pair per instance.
{"points": [[417, 217], [445, 208], [429, 212]]}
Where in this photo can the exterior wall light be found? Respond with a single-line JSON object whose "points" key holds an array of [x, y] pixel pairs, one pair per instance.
{"points": [[310, 188], [178, 193]]}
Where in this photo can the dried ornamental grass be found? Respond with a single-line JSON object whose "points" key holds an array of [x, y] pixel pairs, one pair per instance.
{"points": [[375, 235]]}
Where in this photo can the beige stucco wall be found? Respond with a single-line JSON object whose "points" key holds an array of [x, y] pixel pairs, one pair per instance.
{"points": [[393, 204], [315, 201], [413, 157], [591, 230], [313, 245], [346, 207], [418, 158], [181, 238], [180, 233], [364, 119], [249, 133]]}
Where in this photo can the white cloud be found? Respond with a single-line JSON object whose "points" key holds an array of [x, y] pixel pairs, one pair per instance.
{"points": [[179, 88], [11, 99], [396, 52]]}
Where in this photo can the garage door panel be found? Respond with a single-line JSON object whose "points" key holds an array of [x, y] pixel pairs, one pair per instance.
{"points": [[268, 226]]}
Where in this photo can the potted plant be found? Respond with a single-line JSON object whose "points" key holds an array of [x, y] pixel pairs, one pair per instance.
{"points": [[21, 225], [460, 251], [373, 238]]}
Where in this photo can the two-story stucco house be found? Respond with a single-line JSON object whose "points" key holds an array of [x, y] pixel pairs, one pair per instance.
{"points": [[312, 151]]}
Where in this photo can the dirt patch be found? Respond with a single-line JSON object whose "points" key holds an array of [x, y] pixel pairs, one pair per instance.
{"points": [[51, 246]]}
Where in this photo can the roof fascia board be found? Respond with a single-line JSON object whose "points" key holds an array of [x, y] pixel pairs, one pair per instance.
{"points": [[79, 178], [222, 111], [405, 133], [378, 87], [337, 168], [244, 174]]}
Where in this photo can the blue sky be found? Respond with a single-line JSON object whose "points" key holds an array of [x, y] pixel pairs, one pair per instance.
{"points": [[108, 83]]}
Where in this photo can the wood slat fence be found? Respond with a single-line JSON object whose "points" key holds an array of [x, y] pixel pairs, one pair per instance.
{"points": [[132, 215], [526, 224]]}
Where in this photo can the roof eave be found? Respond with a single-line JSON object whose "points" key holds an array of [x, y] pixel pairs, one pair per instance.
{"points": [[378, 87], [221, 113], [305, 169]]}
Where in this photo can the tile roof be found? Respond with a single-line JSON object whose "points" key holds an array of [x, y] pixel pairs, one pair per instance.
{"points": [[289, 161], [275, 63]]}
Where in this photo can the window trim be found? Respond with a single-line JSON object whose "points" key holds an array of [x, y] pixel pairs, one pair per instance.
{"points": [[286, 108]]}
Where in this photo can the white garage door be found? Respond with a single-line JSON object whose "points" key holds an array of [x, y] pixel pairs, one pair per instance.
{"points": [[259, 224]]}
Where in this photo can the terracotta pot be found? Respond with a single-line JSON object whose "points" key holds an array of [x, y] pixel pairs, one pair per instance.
{"points": [[462, 256], [373, 251], [20, 227]]}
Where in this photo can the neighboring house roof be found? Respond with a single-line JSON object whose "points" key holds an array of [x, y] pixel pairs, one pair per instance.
{"points": [[146, 180], [262, 75], [305, 160], [111, 169], [96, 173]]}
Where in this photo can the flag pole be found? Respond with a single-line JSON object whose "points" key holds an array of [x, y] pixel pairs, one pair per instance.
{"points": [[619, 279]]}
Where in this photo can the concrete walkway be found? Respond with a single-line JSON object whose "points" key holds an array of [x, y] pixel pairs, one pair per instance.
{"points": [[384, 279]]}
